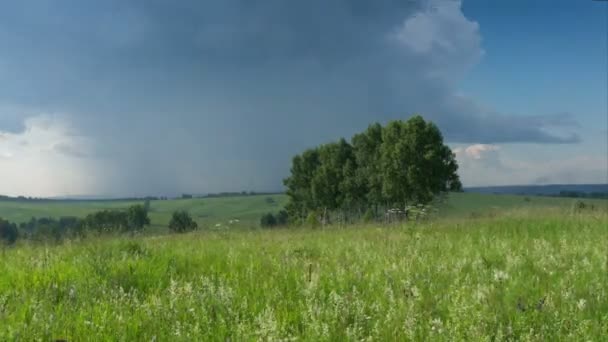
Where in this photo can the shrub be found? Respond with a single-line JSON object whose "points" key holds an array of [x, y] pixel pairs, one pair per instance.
{"points": [[182, 222], [268, 220], [8, 232], [579, 206], [137, 217]]}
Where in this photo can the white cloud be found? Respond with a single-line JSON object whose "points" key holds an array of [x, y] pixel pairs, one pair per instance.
{"points": [[45, 159], [481, 165], [441, 33], [477, 151]]}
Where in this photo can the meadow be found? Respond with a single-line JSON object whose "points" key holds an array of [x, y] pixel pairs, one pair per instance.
{"points": [[209, 212], [522, 272]]}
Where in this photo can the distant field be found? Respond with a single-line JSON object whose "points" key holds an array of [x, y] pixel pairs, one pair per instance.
{"points": [[474, 204], [529, 275], [248, 209], [207, 211]]}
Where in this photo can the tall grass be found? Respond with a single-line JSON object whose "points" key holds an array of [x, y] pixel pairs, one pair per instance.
{"points": [[518, 276]]}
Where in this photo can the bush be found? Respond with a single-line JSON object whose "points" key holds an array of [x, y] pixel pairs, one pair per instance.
{"points": [[137, 217], [268, 220], [107, 221], [8, 232], [46, 228], [182, 222]]}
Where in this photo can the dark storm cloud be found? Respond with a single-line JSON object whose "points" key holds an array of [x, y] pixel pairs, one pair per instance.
{"points": [[217, 95]]}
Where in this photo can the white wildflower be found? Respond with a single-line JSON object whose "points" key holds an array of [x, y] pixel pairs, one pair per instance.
{"points": [[437, 325], [581, 304], [500, 275]]}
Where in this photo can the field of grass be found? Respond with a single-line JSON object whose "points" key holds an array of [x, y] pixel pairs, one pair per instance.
{"points": [[475, 204], [248, 209], [206, 211], [538, 274]]}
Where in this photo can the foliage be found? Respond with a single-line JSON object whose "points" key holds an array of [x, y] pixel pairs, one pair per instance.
{"points": [[268, 220], [8, 232], [282, 218], [415, 164], [366, 147], [48, 228], [106, 221], [401, 164], [182, 222], [137, 218]]}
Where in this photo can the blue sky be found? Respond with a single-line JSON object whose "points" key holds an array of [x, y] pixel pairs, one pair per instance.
{"points": [[542, 56], [158, 97]]}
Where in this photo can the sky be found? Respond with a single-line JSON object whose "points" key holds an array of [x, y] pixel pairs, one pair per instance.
{"points": [[137, 98]]}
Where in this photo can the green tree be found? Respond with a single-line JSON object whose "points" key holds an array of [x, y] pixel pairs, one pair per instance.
{"points": [[268, 220], [415, 164], [137, 217], [8, 232], [403, 163], [299, 184], [182, 222], [328, 182], [366, 147], [282, 218]]}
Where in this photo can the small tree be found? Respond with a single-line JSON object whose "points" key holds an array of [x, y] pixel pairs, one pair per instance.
{"points": [[268, 220], [8, 232], [182, 222], [137, 217]]}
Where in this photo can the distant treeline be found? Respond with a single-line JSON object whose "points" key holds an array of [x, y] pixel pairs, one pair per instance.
{"points": [[230, 194], [581, 194], [132, 220], [41, 199], [563, 193], [135, 199]]}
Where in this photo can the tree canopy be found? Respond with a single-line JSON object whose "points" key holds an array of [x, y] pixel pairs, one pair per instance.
{"points": [[182, 222], [400, 164]]}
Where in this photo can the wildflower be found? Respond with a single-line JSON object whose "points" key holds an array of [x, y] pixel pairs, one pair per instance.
{"points": [[500, 275], [415, 292], [581, 304], [437, 325]]}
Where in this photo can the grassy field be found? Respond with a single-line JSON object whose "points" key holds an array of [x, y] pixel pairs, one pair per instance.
{"points": [[248, 209], [537, 274], [206, 211]]}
